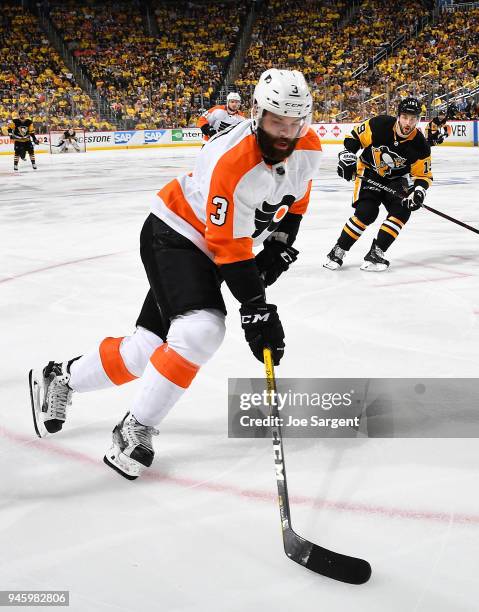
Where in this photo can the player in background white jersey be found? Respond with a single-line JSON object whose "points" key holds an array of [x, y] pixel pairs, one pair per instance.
{"points": [[221, 116], [250, 186], [69, 140]]}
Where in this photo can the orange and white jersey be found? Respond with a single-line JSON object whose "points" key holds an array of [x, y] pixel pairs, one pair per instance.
{"points": [[233, 200], [219, 118]]}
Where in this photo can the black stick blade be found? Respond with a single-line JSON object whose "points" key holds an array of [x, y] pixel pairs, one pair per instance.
{"points": [[323, 561], [338, 567]]}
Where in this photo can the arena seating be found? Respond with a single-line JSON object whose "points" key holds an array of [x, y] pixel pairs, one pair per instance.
{"points": [[34, 77]]}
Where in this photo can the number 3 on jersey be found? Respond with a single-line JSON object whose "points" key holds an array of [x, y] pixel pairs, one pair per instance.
{"points": [[219, 217]]}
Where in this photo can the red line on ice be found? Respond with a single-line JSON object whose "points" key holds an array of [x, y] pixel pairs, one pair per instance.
{"points": [[52, 448], [59, 265], [425, 280]]}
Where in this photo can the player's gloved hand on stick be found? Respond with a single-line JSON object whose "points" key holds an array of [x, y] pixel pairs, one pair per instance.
{"points": [[35, 140], [262, 328], [208, 130], [274, 259], [347, 165], [415, 199]]}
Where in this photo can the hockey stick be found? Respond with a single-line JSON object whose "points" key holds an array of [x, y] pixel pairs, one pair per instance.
{"points": [[315, 558], [441, 214], [380, 187]]}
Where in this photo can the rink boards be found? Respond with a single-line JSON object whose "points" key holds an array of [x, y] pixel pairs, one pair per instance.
{"points": [[463, 134]]}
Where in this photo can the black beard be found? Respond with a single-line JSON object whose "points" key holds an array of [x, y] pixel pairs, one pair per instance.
{"points": [[270, 153]]}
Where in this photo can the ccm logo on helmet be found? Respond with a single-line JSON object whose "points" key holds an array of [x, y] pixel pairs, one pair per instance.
{"points": [[254, 318], [293, 104]]}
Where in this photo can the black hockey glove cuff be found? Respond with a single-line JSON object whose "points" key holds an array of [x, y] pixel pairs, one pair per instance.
{"points": [[347, 165], [208, 130], [243, 280], [287, 230], [262, 328], [274, 259]]}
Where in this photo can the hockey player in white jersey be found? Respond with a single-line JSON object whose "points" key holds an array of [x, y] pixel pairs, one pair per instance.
{"points": [[221, 116], [250, 187], [69, 141]]}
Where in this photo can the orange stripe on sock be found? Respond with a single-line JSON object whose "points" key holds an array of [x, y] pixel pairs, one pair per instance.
{"points": [[113, 363], [173, 366]]}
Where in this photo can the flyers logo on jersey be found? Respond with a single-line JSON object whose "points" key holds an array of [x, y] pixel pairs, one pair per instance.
{"points": [[386, 160], [269, 216]]}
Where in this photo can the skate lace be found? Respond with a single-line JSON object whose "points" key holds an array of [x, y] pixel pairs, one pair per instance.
{"points": [[140, 434], [59, 397]]}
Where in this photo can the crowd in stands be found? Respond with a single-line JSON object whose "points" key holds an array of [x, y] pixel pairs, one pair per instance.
{"points": [[33, 76], [151, 81], [164, 76], [436, 66], [329, 44]]}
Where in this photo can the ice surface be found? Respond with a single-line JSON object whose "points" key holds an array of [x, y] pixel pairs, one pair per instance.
{"points": [[201, 531]]}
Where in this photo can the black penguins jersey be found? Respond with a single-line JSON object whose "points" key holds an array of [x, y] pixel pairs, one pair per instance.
{"points": [[21, 130], [433, 128], [386, 154]]}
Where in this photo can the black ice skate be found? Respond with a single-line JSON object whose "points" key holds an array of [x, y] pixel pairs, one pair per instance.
{"points": [[132, 450], [335, 258], [15, 167], [50, 396], [34, 166], [374, 261]]}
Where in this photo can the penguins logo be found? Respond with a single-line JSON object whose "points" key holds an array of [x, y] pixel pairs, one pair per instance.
{"points": [[386, 160], [23, 130], [269, 216]]}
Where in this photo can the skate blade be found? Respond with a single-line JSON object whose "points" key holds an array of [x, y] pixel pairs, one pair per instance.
{"points": [[331, 265], [122, 464], [369, 266], [36, 402]]}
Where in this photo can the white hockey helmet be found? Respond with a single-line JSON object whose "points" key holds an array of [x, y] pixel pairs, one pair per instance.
{"points": [[233, 96], [284, 93]]}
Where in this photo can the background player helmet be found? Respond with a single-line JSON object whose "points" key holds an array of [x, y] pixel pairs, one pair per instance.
{"points": [[21, 111], [233, 96], [409, 106], [451, 111], [284, 93]]}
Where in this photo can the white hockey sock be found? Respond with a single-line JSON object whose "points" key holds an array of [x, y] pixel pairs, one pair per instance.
{"points": [[192, 340], [114, 362]]}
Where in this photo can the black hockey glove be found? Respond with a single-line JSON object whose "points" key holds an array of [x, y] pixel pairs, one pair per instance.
{"points": [[208, 130], [35, 140], [415, 199], [347, 165], [274, 259], [262, 328]]}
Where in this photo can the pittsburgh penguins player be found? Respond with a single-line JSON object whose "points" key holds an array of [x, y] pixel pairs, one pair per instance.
{"points": [[437, 129], [393, 149], [22, 132]]}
